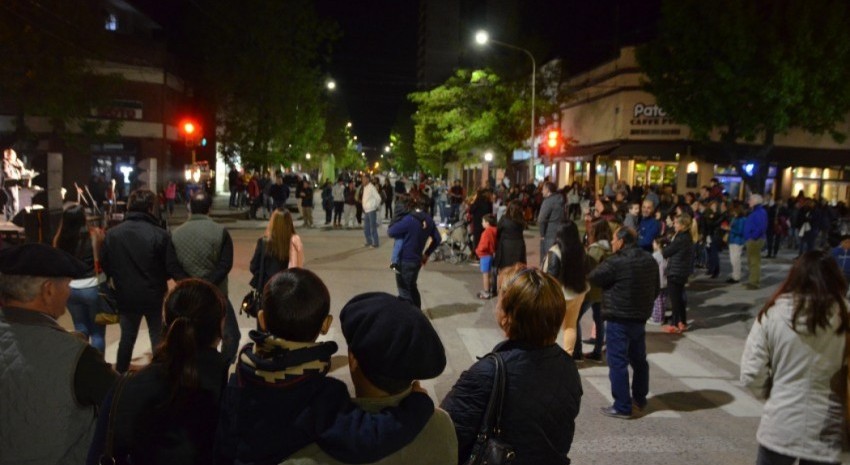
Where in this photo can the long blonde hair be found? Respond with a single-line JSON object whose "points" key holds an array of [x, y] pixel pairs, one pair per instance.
{"points": [[279, 234]]}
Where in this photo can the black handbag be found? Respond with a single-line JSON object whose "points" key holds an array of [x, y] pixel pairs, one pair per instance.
{"points": [[489, 449], [252, 302], [107, 313]]}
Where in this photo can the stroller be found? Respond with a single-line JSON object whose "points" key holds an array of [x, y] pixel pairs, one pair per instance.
{"points": [[457, 243]]}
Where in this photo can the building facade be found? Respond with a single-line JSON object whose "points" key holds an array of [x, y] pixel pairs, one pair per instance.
{"points": [[621, 133]]}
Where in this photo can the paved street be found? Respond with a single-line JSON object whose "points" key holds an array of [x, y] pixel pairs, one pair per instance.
{"points": [[698, 413]]}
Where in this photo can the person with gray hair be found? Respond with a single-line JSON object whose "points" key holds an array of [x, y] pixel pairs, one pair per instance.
{"points": [[550, 218], [755, 231], [51, 381]]}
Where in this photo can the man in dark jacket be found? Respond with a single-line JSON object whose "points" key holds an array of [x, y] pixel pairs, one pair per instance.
{"points": [[414, 230], [139, 258], [629, 281], [550, 217], [755, 230]]}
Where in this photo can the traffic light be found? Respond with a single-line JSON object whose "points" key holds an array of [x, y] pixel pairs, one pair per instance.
{"points": [[191, 132], [553, 145]]}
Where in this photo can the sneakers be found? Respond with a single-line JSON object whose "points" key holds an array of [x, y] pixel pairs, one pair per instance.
{"points": [[613, 413], [670, 329], [484, 295], [394, 267]]}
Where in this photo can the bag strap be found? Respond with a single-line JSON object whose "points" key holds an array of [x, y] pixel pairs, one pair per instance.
{"points": [[108, 457], [262, 264], [492, 415]]}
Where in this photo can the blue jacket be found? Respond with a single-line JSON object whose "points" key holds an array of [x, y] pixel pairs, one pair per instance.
{"points": [[842, 256], [542, 400], [414, 230], [736, 231], [648, 229], [756, 226]]}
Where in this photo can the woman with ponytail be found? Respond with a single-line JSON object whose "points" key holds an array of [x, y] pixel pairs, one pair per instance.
{"points": [[168, 411]]}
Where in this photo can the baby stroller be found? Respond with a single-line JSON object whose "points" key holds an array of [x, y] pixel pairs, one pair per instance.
{"points": [[457, 243]]}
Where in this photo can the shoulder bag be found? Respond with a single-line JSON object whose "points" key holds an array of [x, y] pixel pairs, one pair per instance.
{"points": [[489, 449], [252, 302]]}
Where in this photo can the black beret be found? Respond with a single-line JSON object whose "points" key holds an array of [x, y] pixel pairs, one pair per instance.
{"points": [[40, 260], [392, 338]]}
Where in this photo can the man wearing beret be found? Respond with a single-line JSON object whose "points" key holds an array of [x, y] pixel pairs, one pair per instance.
{"points": [[139, 257], [413, 230], [51, 382], [391, 344]]}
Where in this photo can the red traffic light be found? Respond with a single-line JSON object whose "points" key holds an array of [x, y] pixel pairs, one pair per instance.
{"points": [[188, 128], [553, 138]]}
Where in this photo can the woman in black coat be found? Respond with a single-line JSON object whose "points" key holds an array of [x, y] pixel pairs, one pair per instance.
{"points": [[510, 245], [680, 260], [167, 413], [481, 205], [543, 389]]}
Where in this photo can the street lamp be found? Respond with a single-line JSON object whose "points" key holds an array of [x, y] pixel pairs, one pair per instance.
{"points": [[331, 84], [308, 155], [485, 171], [482, 38]]}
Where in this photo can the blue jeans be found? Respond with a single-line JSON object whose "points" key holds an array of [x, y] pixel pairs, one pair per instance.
{"points": [[454, 209], [627, 346], [600, 328], [444, 209], [405, 280], [83, 306], [396, 255], [129, 323], [231, 335], [370, 227]]}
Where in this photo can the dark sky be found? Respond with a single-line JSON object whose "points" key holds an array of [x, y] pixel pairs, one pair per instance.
{"points": [[374, 63]]}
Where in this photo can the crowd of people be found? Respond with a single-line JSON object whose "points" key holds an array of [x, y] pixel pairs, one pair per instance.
{"points": [[639, 250]]}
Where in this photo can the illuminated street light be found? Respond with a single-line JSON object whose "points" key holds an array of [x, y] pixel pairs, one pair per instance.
{"points": [[387, 149], [481, 37], [348, 125], [308, 155], [331, 84], [488, 156], [355, 137]]}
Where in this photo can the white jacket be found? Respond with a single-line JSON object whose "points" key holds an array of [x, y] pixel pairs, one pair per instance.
{"points": [[371, 198], [793, 370]]}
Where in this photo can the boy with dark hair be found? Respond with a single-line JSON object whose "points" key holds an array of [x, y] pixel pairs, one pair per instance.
{"points": [[485, 251], [280, 398]]}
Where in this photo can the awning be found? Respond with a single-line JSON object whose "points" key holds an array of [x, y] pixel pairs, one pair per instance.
{"points": [[586, 153], [650, 150]]}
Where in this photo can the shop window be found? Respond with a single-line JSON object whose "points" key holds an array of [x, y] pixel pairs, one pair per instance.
{"points": [[807, 173], [832, 173]]}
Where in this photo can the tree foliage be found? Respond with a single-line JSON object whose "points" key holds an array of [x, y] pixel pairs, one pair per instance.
{"points": [[752, 69], [474, 111], [263, 64], [49, 49]]}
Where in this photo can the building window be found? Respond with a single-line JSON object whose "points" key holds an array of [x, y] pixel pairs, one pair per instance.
{"points": [[111, 22]]}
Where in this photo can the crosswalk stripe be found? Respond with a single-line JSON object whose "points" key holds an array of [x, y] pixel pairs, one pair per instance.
{"points": [[676, 365], [742, 405], [729, 347], [656, 410]]}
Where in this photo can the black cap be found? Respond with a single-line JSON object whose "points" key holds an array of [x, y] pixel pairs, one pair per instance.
{"points": [[40, 260], [392, 338]]}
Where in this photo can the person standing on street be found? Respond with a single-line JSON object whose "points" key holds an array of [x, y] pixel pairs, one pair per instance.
{"points": [[339, 201], [51, 382], [306, 195], [755, 230], [205, 250], [371, 203], [629, 281], [550, 217], [649, 228], [139, 257], [680, 263], [455, 199], [414, 230]]}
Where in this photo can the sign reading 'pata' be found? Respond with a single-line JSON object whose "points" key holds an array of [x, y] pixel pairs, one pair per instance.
{"points": [[650, 115]]}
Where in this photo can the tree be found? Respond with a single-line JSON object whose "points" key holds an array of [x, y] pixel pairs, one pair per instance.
{"points": [[263, 65], [48, 49], [750, 70]]}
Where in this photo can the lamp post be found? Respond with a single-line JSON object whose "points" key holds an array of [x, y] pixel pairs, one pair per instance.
{"points": [[482, 38], [485, 171]]}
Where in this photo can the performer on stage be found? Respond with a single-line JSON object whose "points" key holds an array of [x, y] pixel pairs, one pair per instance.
{"points": [[15, 176]]}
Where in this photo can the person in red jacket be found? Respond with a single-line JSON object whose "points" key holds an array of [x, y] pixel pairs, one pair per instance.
{"points": [[485, 251]]}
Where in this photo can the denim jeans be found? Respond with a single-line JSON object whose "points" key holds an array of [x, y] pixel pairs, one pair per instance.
{"points": [[769, 457], [627, 346], [405, 280], [396, 255], [83, 306], [370, 228], [600, 328], [129, 323], [231, 335], [444, 210], [454, 209]]}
